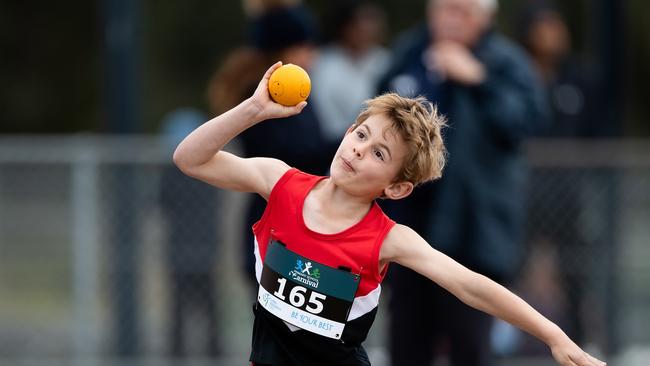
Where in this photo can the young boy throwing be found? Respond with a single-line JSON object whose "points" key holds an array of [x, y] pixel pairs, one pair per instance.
{"points": [[323, 245]]}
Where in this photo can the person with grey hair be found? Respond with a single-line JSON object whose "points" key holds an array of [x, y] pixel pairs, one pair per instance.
{"points": [[485, 85]]}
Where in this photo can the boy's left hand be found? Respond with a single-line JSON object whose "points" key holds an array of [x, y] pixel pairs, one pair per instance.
{"points": [[568, 353], [267, 108]]}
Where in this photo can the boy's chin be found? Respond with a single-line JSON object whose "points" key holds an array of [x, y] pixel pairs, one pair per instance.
{"points": [[336, 171], [336, 176]]}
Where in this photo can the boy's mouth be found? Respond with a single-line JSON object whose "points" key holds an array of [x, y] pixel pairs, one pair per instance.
{"points": [[347, 164]]}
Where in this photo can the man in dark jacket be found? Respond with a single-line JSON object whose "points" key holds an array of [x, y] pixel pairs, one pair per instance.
{"points": [[486, 87]]}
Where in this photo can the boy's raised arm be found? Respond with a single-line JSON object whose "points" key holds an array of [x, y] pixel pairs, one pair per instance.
{"points": [[406, 247], [199, 155]]}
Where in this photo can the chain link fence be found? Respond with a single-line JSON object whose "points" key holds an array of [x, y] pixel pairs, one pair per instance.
{"points": [[107, 254]]}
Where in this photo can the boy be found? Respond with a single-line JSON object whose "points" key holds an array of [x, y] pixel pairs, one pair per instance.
{"points": [[323, 245]]}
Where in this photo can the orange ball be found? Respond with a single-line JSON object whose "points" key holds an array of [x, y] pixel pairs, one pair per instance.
{"points": [[289, 85]]}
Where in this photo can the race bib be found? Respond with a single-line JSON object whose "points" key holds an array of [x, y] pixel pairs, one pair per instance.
{"points": [[305, 293]]}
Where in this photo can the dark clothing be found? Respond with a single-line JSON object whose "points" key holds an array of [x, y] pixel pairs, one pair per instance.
{"points": [[296, 140], [462, 326], [270, 336], [479, 198], [474, 213], [575, 100]]}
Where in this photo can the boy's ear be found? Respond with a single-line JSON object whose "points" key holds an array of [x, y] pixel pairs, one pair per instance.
{"points": [[398, 190]]}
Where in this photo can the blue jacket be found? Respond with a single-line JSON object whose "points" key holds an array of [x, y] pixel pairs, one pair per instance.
{"points": [[475, 212]]}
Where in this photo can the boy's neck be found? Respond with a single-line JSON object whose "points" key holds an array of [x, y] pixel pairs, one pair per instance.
{"points": [[332, 195], [328, 209]]}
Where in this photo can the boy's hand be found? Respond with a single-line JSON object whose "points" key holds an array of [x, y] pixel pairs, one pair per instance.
{"points": [[568, 353], [267, 108]]}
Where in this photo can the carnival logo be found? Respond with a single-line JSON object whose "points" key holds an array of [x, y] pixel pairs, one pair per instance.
{"points": [[305, 273]]}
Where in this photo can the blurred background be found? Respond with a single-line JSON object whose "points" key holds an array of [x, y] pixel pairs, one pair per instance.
{"points": [[109, 256]]}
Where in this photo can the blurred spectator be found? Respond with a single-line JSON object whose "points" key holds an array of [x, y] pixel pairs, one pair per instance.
{"points": [[190, 208], [575, 99], [487, 88], [254, 8], [349, 66], [286, 34], [572, 87]]}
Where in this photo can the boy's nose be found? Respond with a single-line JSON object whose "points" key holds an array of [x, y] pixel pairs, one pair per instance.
{"points": [[357, 151]]}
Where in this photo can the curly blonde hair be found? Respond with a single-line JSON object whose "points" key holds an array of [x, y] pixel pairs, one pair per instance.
{"points": [[420, 125]]}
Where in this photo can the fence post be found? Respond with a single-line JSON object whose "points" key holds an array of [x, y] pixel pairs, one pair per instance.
{"points": [[85, 249]]}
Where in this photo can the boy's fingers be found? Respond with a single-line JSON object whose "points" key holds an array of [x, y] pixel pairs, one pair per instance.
{"points": [[268, 73], [570, 362], [596, 361], [296, 109], [583, 360], [300, 106]]}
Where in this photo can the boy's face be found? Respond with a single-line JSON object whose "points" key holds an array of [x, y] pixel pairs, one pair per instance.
{"points": [[368, 160]]}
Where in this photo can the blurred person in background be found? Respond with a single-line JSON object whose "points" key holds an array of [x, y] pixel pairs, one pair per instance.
{"points": [[190, 209], [556, 203], [284, 33], [572, 86], [486, 86], [255, 8], [349, 65]]}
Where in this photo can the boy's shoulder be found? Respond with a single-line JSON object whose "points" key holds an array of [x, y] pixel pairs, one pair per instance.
{"points": [[299, 178], [399, 232], [396, 241], [296, 181]]}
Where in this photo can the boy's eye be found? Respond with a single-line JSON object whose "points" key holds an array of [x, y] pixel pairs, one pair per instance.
{"points": [[379, 154]]}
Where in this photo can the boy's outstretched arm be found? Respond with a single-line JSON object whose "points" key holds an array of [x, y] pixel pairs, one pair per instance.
{"points": [[406, 247], [199, 155]]}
